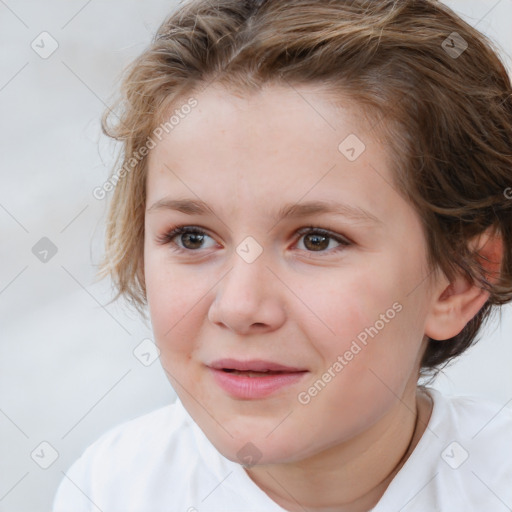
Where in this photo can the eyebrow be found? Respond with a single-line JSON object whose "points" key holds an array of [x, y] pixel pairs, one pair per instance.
{"points": [[198, 207]]}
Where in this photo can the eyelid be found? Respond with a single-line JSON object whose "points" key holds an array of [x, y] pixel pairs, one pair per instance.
{"points": [[326, 232], [168, 235]]}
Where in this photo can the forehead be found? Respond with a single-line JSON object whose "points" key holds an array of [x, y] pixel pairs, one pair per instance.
{"points": [[279, 145], [292, 112]]}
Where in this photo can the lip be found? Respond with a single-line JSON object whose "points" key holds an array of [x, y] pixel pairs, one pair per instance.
{"points": [[255, 365], [252, 388]]}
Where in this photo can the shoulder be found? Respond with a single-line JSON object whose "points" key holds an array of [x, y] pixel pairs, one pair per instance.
{"points": [[472, 428], [155, 444], [462, 462], [157, 432], [472, 415], [168, 417], [477, 432], [467, 452]]}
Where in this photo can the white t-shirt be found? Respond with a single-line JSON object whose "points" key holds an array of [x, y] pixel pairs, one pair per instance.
{"points": [[163, 462]]}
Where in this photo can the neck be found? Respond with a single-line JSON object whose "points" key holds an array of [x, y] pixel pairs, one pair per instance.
{"points": [[352, 476]]}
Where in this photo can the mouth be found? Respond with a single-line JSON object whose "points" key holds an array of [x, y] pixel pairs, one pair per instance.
{"points": [[250, 373], [255, 366], [255, 379]]}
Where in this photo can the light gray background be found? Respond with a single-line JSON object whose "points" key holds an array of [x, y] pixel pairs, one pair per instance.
{"points": [[67, 368]]}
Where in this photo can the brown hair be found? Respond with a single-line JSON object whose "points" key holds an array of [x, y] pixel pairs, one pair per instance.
{"points": [[446, 113]]}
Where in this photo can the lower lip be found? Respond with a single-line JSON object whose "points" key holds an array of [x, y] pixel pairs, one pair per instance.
{"points": [[240, 386]]}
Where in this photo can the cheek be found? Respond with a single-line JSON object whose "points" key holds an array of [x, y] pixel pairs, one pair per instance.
{"points": [[370, 322], [174, 302], [347, 308]]}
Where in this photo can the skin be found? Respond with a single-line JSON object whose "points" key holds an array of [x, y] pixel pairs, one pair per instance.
{"points": [[246, 156]]}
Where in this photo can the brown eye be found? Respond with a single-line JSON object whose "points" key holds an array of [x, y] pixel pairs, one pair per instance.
{"points": [[190, 238], [319, 240], [316, 242]]}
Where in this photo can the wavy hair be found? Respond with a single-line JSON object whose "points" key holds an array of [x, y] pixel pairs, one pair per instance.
{"points": [[435, 86]]}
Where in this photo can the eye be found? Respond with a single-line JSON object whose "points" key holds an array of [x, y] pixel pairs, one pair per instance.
{"points": [[318, 239], [192, 238]]}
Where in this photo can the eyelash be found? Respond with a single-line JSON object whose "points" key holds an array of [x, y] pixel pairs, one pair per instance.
{"points": [[167, 238]]}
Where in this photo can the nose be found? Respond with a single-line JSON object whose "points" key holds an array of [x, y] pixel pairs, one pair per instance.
{"points": [[249, 298]]}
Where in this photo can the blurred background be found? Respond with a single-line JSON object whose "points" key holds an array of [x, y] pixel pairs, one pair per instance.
{"points": [[71, 365]]}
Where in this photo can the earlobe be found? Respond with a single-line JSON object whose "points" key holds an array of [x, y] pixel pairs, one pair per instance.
{"points": [[459, 301]]}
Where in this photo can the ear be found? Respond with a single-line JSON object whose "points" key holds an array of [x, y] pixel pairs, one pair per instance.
{"points": [[456, 303]]}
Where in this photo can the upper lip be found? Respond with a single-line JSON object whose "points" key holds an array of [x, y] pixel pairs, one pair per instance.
{"points": [[255, 365]]}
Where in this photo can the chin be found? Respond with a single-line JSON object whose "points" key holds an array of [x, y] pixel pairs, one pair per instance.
{"points": [[256, 450]]}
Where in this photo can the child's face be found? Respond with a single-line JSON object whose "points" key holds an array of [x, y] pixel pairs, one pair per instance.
{"points": [[353, 317]]}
